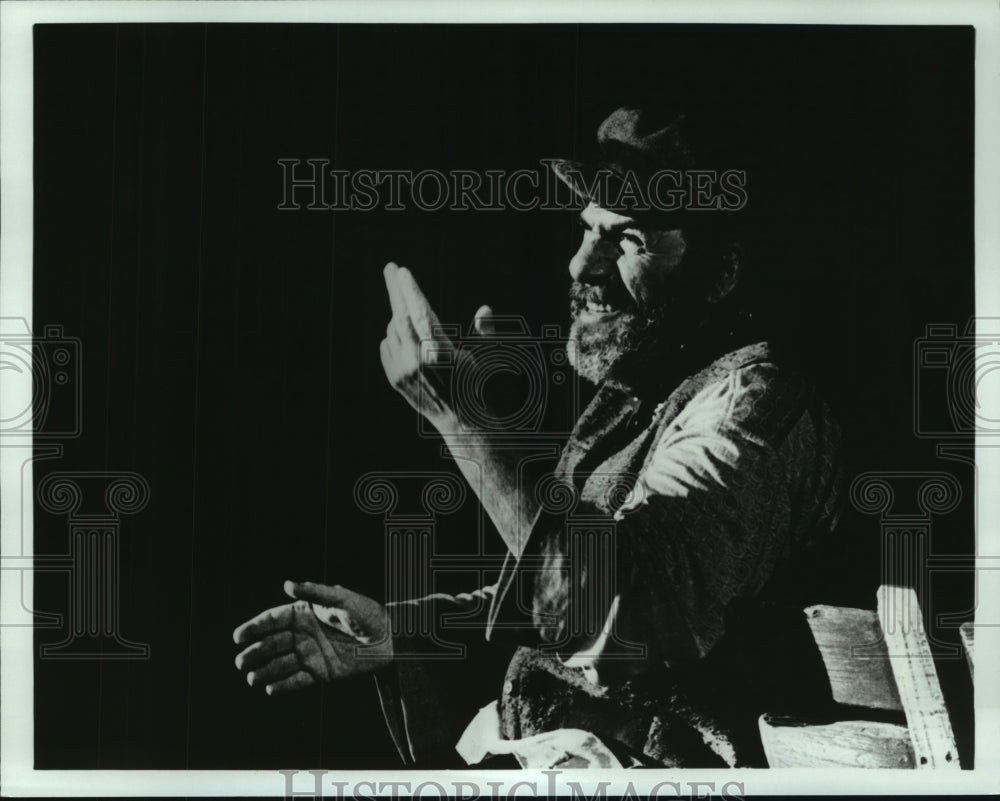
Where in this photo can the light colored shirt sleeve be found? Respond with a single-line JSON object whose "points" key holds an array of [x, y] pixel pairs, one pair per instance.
{"points": [[745, 475]]}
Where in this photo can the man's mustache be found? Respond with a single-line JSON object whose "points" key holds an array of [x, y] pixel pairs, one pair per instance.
{"points": [[608, 293]]}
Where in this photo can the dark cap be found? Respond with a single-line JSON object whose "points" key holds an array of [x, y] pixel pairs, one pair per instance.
{"points": [[643, 170]]}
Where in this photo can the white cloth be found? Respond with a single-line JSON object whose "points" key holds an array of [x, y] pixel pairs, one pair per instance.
{"points": [[562, 748]]}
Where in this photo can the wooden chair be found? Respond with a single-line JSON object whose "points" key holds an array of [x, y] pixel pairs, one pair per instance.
{"points": [[966, 630], [875, 660]]}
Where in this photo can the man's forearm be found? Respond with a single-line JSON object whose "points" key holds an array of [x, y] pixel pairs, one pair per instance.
{"points": [[494, 475]]}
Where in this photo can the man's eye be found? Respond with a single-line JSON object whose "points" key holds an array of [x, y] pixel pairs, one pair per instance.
{"points": [[634, 239]]}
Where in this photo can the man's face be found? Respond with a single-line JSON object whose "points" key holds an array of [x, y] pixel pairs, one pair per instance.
{"points": [[624, 287]]}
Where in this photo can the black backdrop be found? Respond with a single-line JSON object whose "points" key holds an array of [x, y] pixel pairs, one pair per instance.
{"points": [[230, 350]]}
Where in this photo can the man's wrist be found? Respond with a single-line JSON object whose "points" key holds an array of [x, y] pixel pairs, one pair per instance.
{"points": [[450, 425]]}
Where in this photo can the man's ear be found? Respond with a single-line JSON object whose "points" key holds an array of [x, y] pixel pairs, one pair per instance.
{"points": [[728, 275]]}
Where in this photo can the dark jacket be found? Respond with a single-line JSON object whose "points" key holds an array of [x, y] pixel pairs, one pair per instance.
{"points": [[676, 514]]}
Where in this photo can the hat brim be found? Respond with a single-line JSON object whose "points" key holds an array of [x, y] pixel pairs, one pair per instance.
{"points": [[578, 176], [583, 179]]}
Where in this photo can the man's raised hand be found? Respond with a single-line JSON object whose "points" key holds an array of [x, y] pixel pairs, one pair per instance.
{"points": [[327, 633], [413, 351], [413, 343]]}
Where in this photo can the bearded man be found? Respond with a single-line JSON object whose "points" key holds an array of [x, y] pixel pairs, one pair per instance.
{"points": [[704, 467]]}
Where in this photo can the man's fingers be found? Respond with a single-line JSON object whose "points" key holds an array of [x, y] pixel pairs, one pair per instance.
{"points": [[408, 306], [275, 670], [324, 594], [483, 321], [297, 681], [261, 652], [400, 331], [421, 314], [343, 610], [267, 622], [388, 363], [396, 301]]}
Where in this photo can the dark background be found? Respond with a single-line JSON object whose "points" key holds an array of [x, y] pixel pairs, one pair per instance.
{"points": [[230, 350]]}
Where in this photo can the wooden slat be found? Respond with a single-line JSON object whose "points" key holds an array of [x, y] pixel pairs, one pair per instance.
{"points": [[854, 679], [847, 744], [966, 631], [916, 678]]}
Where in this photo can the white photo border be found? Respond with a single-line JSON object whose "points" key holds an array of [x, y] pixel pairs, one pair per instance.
{"points": [[17, 18]]}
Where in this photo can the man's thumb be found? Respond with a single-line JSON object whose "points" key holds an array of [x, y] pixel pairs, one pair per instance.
{"points": [[322, 594], [483, 321]]}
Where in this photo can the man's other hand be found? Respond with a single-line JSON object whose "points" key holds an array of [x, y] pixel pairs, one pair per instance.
{"points": [[327, 633], [413, 346]]}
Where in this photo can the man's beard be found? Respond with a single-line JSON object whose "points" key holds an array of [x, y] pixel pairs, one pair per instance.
{"points": [[597, 345]]}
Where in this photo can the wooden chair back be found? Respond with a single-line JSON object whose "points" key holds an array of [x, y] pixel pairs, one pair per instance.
{"points": [[878, 660]]}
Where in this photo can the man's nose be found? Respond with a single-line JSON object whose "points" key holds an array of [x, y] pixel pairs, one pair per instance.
{"points": [[594, 261]]}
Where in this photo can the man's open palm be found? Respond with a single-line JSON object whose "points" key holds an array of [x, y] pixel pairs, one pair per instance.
{"points": [[327, 633]]}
